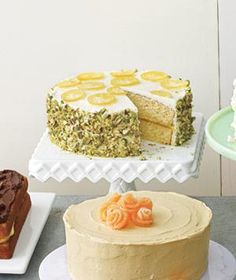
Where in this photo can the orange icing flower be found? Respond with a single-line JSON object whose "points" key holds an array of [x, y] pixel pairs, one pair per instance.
{"points": [[119, 211], [117, 218], [143, 218], [145, 202], [130, 203], [114, 198], [103, 209]]}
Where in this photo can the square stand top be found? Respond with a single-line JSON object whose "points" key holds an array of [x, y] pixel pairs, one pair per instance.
{"points": [[162, 162]]}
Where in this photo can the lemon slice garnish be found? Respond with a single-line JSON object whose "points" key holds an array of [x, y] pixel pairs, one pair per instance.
{"points": [[128, 81], [102, 99], [172, 84], [162, 93], [91, 85], [90, 76], [154, 76], [68, 83], [72, 95], [116, 91], [123, 73]]}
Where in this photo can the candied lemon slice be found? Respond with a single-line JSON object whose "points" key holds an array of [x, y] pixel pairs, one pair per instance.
{"points": [[128, 81], [172, 84], [102, 99], [68, 83], [90, 76], [123, 73], [72, 95], [116, 91], [91, 85], [154, 76], [162, 93]]}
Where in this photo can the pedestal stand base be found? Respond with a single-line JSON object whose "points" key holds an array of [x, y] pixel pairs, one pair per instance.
{"points": [[120, 186]]}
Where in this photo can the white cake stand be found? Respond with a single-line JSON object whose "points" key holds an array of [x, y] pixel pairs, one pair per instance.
{"points": [[161, 162], [222, 265]]}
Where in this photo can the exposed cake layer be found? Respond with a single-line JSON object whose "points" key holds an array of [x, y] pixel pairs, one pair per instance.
{"points": [[156, 133], [100, 133], [176, 124], [152, 110], [174, 247]]}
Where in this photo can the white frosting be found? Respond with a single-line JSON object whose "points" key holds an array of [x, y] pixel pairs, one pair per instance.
{"points": [[123, 102], [145, 88], [233, 100], [233, 105]]}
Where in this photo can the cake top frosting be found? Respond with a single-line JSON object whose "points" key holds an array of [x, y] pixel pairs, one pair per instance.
{"points": [[155, 85], [175, 217]]}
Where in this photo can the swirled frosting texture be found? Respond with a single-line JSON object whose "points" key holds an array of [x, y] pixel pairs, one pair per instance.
{"points": [[175, 246]]}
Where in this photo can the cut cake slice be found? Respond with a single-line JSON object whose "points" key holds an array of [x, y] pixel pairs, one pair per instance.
{"points": [[164, 110]]}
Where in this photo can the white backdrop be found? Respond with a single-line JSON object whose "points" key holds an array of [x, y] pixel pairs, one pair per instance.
{"points": [[44, 41]]}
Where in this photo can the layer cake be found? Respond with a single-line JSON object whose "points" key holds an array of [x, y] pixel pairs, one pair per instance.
{"points": [[107, 114], [174, 246]]}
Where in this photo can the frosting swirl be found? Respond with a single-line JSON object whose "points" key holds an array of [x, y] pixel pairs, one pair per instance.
{"points": [[175, 217]]}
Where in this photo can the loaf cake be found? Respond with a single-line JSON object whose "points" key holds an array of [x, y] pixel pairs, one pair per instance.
{"points": [[107, 114], [166, 239], [15, 204]]}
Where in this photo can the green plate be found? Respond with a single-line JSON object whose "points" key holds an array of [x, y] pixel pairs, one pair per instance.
{"points": [[218, 128]]}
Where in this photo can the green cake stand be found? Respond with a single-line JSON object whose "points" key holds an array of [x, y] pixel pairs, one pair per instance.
{"points": [[218, 128]]}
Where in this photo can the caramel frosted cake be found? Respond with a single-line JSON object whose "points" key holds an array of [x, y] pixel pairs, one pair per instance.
{"points": [[138, 235], [107, 114]]}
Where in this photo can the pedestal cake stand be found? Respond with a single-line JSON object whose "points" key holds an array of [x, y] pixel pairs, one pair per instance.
{"points": [[161, 162], [218, 129]]}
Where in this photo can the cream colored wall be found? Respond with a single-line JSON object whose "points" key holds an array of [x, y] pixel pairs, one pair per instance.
{"points": [[44, 41]]}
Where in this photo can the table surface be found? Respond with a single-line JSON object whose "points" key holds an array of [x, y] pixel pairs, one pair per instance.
{"points": [[223, 230]]}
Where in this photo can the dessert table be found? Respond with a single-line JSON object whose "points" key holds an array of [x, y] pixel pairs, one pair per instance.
{"points": [[223, 230]]}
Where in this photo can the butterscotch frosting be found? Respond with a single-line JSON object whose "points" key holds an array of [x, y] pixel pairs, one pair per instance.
{"points": [[175, 245]]}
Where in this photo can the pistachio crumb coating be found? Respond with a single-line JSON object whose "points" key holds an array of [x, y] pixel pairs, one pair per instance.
{"points": [[101, 133], [184, 119]]}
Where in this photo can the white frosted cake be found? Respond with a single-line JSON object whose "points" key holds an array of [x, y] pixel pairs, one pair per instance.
{"points": [[138, 236], [232, 138], [107, 114]]}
